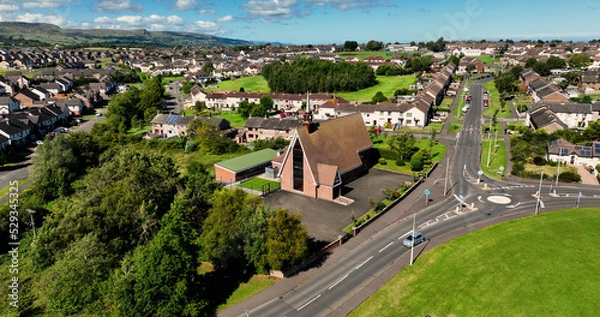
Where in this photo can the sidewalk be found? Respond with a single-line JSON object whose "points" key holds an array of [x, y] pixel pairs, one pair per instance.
{"points": [[414, 201]]}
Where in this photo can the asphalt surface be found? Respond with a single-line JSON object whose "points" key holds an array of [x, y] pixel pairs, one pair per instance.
{"points": [[352, 272]]}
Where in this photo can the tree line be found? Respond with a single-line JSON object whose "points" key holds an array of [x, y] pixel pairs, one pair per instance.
{"points": [[306, 74]]}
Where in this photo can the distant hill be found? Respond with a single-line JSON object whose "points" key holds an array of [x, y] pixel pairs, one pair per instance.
{"points": [[11, 32]]}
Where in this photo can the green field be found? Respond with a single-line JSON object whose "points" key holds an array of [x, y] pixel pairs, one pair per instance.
{"points": [[250, 84], [386, 84], [235, 119], [258, 183], [362, 55], [486, 59], [494, 97], [497, 157], [246, 290], [545, 265], [380, 142]]}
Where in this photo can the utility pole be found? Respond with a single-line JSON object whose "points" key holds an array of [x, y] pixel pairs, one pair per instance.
{"points": [[446, 177], [490, 149], [412, 246], [578, 199], [557, 170]]}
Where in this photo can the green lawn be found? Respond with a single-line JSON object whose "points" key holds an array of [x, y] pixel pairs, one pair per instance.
{"points": [[497, 157], [455, 125], [4, 191], [545, 265], [246, 290], [486, 59], [386, 84], [258, 183], [494, 97], [250, 84], [167, 80], [141, 130], [362, 55], [438, 153], [235, 119]]}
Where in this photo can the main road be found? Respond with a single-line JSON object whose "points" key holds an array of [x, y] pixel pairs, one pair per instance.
{"points": [[341, 285]]}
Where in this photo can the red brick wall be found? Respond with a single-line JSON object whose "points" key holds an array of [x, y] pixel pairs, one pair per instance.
{"points": [[223, 175]]}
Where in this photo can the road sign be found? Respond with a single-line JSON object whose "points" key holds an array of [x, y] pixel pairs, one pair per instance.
{"points": [[479, 172], [461, 197], [501, 168], [427, 192]]}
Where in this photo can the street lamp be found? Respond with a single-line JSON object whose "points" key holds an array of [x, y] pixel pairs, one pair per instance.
{"points": [[539, 194], [412, 246]]}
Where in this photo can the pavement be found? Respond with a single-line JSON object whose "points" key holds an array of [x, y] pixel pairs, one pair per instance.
{"points": [[587, 178]]}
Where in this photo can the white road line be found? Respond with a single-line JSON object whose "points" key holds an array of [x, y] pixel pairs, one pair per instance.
{"points": [[367, 260], [338, 282], [386, 247], [309, 302], [404, 235]]}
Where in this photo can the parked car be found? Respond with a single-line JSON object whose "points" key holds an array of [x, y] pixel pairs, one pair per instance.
{"points": [[98, 114], [436, 120], [413, 239]]}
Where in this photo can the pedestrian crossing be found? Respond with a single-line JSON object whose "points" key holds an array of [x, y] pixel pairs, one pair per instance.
{"points": [[508, 187]]}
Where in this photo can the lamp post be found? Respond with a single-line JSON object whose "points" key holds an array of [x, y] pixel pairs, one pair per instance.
{"points": [[412, 246], [557, 170], [539, 194]]}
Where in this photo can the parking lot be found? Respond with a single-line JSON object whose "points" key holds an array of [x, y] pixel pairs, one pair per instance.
{"points": [[325, 220]]}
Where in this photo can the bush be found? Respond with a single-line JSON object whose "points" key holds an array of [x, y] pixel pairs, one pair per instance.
{"points": [[191, 146], [388, 154], [400, 163], [382, 161], [518, 168], [539, 161], [569, 177], [380, 206]]}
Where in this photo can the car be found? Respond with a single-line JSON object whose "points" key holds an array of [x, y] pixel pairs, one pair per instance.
{"points": [[39, 142], [98, 114], [436, 120], [465, 109], [413, 239]]}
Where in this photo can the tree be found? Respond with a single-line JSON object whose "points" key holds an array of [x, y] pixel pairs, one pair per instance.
{"points": [[378, 97], [208, 67], [350, 46], [161, 278], [506, 83], [286, 240], [530, 61], [54, 168], [592, 131], [266, 102], [416, 161], [470, 68], [403, 145], [373, 45], [151, 99], [454, 59], [541, 68], [579, 61], [76, 283], [555, 62]]}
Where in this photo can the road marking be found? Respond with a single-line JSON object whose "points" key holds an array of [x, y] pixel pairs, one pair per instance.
{"points": [[309, 302], [365, 262], [513, 206], [338, 282], [402, 236], [387, 246]]}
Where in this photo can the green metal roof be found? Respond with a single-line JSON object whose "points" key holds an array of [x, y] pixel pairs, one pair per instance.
{"points": [[247, 161]]}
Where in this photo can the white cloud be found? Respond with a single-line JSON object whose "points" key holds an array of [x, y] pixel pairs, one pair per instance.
{"points": [[349, 4], [155, 22], [207, 26], [41, 18], [207, 11], [116, 5], [271, 9], [225, 19], [36, 4], [8, 7], [184, 4]]}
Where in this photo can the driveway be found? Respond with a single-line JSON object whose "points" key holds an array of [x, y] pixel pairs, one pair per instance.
{"points": [[587, 178], [325, 220]]}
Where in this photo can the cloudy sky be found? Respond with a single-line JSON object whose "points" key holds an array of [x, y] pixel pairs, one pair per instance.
{"points": [[323, 21]]}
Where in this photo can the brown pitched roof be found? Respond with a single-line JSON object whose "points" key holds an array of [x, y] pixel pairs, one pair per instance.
{"points": [[336, 143]]}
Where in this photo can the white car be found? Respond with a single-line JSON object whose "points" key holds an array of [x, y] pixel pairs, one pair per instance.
{"points": [[436, 120], [39, 142]]}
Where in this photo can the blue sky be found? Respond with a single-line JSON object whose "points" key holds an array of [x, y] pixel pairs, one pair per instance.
{"points": [[324, 21]]}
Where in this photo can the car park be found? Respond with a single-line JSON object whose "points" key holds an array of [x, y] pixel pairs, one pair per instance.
{"points": [[413, 239]]}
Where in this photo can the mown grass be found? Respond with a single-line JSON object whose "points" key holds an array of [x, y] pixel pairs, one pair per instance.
{"points": [[5, 191], [235, 119], [545, 265], [362, 55], [494, 98], [259, 183], [437, 154], [246, 290], [497, 157], [250, 84], [386, 84], [139, 130], [486, 59]]}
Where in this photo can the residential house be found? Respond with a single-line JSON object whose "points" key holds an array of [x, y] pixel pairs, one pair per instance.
{"points": [[16, 131], [323, 157], [27, 98], [175, 125], [527, 76], [257, 128], [565, 152], [553, 116], [42, 93], [9, 105], [7, 89], [590, 82], [541, 90], [74, 105]]}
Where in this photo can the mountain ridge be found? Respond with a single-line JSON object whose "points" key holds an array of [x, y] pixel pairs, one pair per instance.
{"points": [[54, 35]]}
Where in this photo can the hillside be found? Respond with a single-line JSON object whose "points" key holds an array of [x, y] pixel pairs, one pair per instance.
{"points": [[11, 32]]}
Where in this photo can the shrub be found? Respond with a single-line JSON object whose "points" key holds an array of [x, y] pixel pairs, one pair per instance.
{"points": [[388, 154], [518, 168], [569, 177], [382, 161], [380, 206], [416, 161], [539, 161], [400, 163], [190, 146]]}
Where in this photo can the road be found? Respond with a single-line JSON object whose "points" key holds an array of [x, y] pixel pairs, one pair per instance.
{"points": [[343, 282], [175, 102]]}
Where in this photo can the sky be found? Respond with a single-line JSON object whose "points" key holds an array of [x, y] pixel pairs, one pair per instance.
{"points": [[324, 21]]}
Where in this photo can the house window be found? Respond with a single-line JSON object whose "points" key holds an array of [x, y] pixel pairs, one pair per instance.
{"points": [[298, 167], [409, 115], [368, 115], [408, 122], [389, 113], [368, 122]]}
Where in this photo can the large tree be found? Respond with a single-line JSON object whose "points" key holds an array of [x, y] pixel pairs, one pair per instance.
{"points": [[350, 46], [579, 61], [286, 240], [403, 145], [54, 168], [373, 45]]}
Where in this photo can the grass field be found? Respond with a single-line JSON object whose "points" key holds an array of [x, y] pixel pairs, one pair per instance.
{"points": [[235, 119], [250, 84], [258, 183], [486, 59], [386, 84], [141, 130], [438, 153], [545, 265], [497, 157], [362, 55], [246, 290], [494, 97]]}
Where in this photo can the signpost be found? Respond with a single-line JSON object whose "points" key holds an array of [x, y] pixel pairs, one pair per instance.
{"points": [[501, 171], [479, 173], [427, 192]]}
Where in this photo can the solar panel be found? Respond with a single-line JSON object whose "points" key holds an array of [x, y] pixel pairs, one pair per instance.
{"points": [[597, 147], [577, 147], [586, 151], [562, 151]]}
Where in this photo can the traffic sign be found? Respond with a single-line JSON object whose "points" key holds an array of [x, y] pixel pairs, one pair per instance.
{"points": [[427, 192], [479, 172], [461, 197]]}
